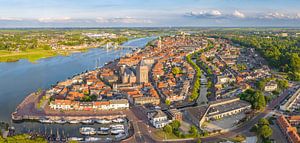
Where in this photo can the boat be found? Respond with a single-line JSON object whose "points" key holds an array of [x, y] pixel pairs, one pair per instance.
{"points": [[103, 129], [91, 139], [118, 120], [103, 121], [88, 121], [118, 126], [62, 121], [75, 139], [74, 121], [102, 132], [87, 131], [117, 131], [108, 139], [120, 135], [46, 121]]}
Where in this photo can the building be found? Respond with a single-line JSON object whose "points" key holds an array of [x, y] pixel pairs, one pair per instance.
{"points": [[291, 104], [128, 76], [175, 114], [196, 114], [271, 86], [119, 104], [228, 109], [146, 100], [294, 120], [142, 74], [289, 132], [216, 110], [158, 119], [60, 104], [97, 105]]}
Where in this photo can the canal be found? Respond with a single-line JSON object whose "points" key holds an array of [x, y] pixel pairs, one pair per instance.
{"points": [[18, 79]]}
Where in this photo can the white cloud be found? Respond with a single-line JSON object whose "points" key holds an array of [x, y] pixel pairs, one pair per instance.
{"points": [[279, 15], [10, 19], [238, 14], [51, 19], [215, 13], [127, 20], [206, 14]]}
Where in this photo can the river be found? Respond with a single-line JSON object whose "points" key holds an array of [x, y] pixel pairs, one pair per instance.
{"points": [[18, 79]]}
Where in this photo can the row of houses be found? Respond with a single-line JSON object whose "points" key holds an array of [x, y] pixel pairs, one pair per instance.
{"points": [[290, 132], [61, 104], [293, 102]]}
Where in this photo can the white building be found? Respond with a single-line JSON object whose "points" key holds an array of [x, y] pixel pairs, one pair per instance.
{"points": [[61, 104], [292, 104], [119, 104], [158, 119], [271, 86]]}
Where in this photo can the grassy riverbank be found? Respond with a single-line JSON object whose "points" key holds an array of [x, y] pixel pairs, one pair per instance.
{"points": [[31, 55], [23, 138]]}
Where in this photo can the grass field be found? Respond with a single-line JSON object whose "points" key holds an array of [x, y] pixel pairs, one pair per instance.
{"points": [[30, 55]]}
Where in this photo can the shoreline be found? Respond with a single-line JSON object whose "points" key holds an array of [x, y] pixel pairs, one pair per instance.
{"points": [[52, 53]]}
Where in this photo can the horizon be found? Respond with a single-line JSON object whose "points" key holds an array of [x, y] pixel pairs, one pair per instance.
{"points": [[154, 27]]}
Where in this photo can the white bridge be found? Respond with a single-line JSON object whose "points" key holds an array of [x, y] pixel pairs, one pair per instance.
{"points": [[117, 46]]}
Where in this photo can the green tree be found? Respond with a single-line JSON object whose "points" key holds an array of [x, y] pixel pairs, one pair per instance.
{"points": [[282, 83], [168, 129], [194, 131], [256, 98], [175, 124], [265, 131], [261, 102], [168, 102], [176, 70], [261, 84], [263, 121]]}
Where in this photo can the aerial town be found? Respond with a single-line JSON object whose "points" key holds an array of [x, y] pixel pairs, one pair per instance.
{"points": [[186, 87]]}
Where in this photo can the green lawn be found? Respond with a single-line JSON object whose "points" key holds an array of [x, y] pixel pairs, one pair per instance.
{"points": [[24, 138], [162, 135]]}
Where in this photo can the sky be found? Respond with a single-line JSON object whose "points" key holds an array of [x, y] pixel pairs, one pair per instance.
{"points": [[149, 13]]}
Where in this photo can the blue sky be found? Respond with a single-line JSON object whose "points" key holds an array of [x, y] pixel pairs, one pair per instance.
{"points": [[126, 13]]}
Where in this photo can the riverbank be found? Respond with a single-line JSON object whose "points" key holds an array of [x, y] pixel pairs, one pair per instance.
{"points": [[32, 55]]}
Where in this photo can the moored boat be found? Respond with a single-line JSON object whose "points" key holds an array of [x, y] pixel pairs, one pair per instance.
{"points": [[103, 121], [117, 131], [102, 132], [46, 121], [75, 139], [87, 131], [120, 135], [118, 120], [103, 129], [88, 121], [118, 126], [74, 121], [62, 121], [92, 139]]}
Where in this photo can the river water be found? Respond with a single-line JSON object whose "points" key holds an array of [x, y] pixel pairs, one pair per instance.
{"points": [[18, 79]]}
